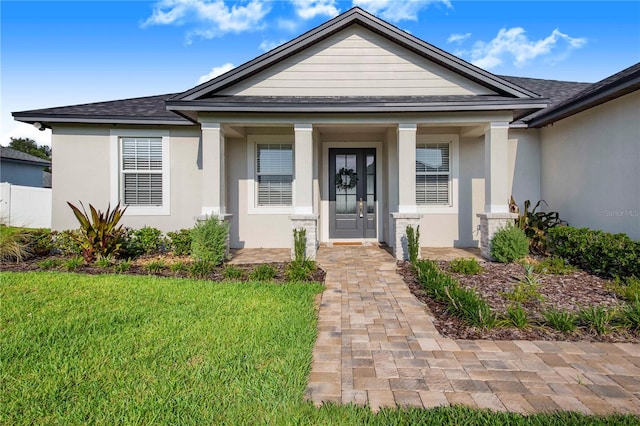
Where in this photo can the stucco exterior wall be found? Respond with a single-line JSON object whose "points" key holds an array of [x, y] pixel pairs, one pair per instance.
{"points": [[21, 173], [590, 171], [81, 160]]}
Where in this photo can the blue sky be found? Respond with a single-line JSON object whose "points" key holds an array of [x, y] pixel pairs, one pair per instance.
{"points": [[56, 53]]}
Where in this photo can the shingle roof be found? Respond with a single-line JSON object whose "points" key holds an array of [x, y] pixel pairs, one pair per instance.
{"points": [[149, 109], [619, 84], [14, 154], [555, 91]]}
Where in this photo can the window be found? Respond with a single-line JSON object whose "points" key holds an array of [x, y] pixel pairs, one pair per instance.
{"points": [[140, 171], [274, 174], [433, 174]]}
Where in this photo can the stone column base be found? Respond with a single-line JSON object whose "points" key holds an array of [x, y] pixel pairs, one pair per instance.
{"points": [[490, 223], [309, 222], [222, 218], [400, 223]]}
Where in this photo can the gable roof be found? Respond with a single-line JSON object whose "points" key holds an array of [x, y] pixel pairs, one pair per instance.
{"points": [[365, 19], [11, 154], [145, 110], [619, 84]]}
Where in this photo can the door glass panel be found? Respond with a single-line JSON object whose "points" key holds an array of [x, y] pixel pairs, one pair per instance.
{"points": [[346, 183], [371, 183]]}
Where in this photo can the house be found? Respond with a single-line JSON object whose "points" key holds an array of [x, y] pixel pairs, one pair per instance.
{"points": [[353, 130], [19, 168]]}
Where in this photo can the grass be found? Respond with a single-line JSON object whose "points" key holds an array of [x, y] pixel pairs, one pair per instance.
{"points": [[111, 349]]}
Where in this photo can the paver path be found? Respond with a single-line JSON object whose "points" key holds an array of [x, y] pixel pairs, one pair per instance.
{"points": [[377, 344]]}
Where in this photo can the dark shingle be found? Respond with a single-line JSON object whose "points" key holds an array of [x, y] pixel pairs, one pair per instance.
{"points": [[14, 154]]}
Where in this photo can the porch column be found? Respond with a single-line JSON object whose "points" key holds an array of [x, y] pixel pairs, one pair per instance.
{"points": [[303, 216], [496, 186], [407, 214], [213, 170]]}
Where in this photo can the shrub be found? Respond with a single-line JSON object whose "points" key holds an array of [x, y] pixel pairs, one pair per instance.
{"points": [[462, 303], [99, 232], [40, 241], [601, 253], [73, 263], [465, 266], [413, 243], [66, 242], [231, 272], [201, 269], [300, 271], [596, 318], [155, 266], [509, 244], [180, 242], [122, 266], [554, 265], [536, 224], [145, 240], [630, 316], [263, 272], [560, 320], [628, 289], [178, 267], [209, 241]]}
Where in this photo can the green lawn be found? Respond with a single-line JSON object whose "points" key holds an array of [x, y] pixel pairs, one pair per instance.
{"points": [[78, 349]]}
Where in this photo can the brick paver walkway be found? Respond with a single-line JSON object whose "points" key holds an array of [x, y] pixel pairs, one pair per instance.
{"points": [[377, 344]]}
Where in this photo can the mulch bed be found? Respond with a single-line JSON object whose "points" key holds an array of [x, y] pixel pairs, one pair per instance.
{"points": [[570, 292], [139, 267]]}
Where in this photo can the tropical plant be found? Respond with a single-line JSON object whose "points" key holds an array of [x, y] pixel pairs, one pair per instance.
{"points": [[100, 234], [413, 243], [509, 244], [209, 241], [535, 224]]}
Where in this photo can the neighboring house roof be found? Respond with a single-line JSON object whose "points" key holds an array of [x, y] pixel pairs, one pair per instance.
{"points": [[619, 84], [146, 110], [369, 21], [11, 154]]}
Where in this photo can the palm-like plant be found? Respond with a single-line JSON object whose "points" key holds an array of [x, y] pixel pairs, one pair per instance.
{"points": [[100, 234]]}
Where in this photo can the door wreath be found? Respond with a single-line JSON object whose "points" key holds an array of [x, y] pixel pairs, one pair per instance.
{"points": [[346, 179]]}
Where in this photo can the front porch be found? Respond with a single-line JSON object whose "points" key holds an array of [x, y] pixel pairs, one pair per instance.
{"points": [[448, 173]]}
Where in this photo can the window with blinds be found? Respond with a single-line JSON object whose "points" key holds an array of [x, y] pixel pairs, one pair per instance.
{"points": [[274, 174], [142, 171], [433, 174]]}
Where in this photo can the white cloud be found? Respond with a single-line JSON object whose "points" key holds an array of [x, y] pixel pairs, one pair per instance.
{"points": [[514, 45], [309, 9], [287, 24], [24, 130], [216, 71], [458, 38], [396, 11], [211, 17], [267, 45]]}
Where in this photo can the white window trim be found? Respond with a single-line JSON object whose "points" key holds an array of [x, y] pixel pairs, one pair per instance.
{"points": [[115, 136], [454, 159], [252, 201]]}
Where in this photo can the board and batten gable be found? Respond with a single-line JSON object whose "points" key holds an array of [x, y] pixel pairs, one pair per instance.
{"points": [[356, 62]]}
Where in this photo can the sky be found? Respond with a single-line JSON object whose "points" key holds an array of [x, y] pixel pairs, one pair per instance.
{"points": [[55, 53]]}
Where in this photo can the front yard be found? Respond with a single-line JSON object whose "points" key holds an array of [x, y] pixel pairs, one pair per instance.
{"points": [[118, 349]]}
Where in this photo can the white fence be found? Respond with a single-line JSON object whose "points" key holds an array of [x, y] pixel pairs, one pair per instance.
{"points": [[25, 206]]}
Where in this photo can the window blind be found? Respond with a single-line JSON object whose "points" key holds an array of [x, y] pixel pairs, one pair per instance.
{"points": [[274, 174], [142, 171], [433, 174]]}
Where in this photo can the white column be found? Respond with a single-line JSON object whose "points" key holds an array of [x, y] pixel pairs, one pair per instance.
{"points": [[407, 168], [303, 152], [213, 170], [496, 185]]}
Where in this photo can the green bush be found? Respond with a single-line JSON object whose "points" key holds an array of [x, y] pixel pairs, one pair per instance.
{"points": [[180, 242], [201, 269], [47, 264], [509, 244], [231, 272], [66, 242], [628, 289], [145, 240], [103, 262], [263, 272], [463, 303], [413, 243], [40, 241], [465, 266], [122, 266], [155, 266], [554, 265], [73, 263], [178, 267], [209, 241], [598, 252]]}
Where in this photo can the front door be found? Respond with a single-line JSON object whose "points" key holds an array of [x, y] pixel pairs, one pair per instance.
{"points": [[352, 193]]}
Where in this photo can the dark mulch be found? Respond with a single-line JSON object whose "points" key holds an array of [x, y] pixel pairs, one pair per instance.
{"points": [[139, 267], [571, 292]]}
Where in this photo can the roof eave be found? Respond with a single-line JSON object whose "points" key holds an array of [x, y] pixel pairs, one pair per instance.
{"points": [[580, 104], [43, 163], [79, 119]]}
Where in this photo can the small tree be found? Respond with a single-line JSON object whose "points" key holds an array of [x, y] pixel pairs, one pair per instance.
{"points": [[29, 146]]}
